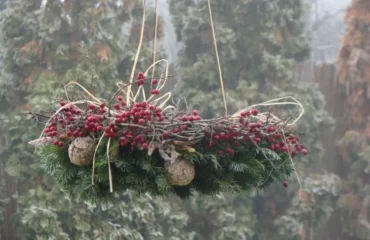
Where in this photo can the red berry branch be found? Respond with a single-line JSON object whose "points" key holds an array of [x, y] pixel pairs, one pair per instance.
{"points": [[138, 124]]}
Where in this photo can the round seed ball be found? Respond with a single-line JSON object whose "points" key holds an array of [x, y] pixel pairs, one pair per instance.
{"points": [[181, 172], [81, 151]]}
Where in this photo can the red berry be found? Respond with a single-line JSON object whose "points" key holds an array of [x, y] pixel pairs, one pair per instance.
{"points": [[278, 136], [255, 112], [123, 139], [60, 144], [107, 134], [184, 127], [56, 142], [195, 112], [102, 105], [144, 145], [62, 103], [92, 106], [230, 151], [155, 91], [99, 128], [123, 103], [117, 106], [176, 130], [141, 121], [63, 137], [120, 98], [285, 183], [80, 134], [154, 81], [298, 148], [165, 134], [293, 153], [245, 113], [304, 151]]}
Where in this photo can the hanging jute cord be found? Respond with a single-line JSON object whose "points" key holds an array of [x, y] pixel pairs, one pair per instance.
{"points": [[217, 57]]}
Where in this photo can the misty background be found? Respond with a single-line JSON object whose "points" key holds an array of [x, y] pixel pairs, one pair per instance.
{"points": [[268, 49]]}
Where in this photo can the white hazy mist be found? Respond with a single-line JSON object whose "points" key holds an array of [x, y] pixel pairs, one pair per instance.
{"points": [[325, 40]]}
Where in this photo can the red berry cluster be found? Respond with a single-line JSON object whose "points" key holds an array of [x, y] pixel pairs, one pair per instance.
{"points": [[256, 132], [65, 124], [137, 124], [132, 124], [185, 121], [141, 78], [70, 122]]}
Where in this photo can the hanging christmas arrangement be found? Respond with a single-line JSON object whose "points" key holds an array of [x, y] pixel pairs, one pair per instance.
{"points": [[95, 148]]}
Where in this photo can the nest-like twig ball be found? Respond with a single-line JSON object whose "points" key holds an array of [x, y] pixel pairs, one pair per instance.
{"points": [[181, 172], [81, 151]]}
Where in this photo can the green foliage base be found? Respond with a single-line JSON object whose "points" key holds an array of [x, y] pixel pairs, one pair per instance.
{"points": [[133, 169]]}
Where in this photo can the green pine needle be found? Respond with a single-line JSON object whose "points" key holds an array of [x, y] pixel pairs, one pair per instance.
{"points": [[134, 169]]}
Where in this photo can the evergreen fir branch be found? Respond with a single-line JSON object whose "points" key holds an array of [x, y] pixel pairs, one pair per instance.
{"points": [[162, 184], [134, 169], [124, 166], [238, 167], [273, 156]]}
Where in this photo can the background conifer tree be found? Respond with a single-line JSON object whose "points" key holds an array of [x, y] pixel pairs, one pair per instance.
{"points": [[260, 44], [42, 51], [354, 129]]}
